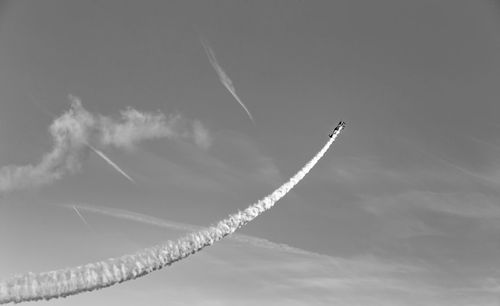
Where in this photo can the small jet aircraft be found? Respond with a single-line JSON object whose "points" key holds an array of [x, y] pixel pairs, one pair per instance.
{"points": [[340, 125]]}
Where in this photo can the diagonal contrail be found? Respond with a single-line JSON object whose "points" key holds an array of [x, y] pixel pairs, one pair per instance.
{"points": [[110, 162], [155, 221], [81, 216], [70, 281], [223, 77], [133, 216]]}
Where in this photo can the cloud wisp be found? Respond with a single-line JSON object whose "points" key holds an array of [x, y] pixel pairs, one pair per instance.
{"points": [[96, 151], [223, 77], [77, 131], [70, 281]]}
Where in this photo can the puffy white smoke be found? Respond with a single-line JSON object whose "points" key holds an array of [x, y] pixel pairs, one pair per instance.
{"points": [[75, 131], [70, 281], [223, 77]]}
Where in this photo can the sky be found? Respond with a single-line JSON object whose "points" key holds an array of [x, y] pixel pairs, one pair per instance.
{"points": [[403, 211]]}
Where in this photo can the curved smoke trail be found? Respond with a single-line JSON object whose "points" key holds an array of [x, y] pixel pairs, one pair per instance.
{"points": [[70, 281]]}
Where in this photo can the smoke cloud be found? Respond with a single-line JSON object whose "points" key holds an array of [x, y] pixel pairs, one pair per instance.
{"points": [[75, 131], [70, 281], [223, 77]]}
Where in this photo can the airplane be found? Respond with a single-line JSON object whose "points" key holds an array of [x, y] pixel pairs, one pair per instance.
{"points": [[338, 127]]}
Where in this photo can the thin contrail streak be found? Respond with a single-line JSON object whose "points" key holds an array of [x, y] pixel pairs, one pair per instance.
{"points": [[81, 216], [110, 162], [223, 77], [162, 223], [70, 281], [134, 216]]}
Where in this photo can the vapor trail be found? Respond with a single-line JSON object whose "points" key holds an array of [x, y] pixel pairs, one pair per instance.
{"points": [[110, 162], [223, 77], [81, 216], [70, 281], [162, 223], [134, 216]]}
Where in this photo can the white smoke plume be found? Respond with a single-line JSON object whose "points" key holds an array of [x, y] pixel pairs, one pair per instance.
{"points": [[223, 77], [70, 281], [76, 130]]}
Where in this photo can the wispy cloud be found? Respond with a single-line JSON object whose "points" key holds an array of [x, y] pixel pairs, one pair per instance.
{"points": [[201, 136], [77, 131], [460, 204], [223, 77], [96, 151], [136, 126]]}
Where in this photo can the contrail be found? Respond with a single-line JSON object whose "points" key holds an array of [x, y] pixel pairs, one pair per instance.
{"points": [[223, 77], [162, 223], [70, 281], [110, 162], [134, 216], [81, 216]]}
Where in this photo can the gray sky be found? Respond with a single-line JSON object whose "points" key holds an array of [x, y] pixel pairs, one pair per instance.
{"points": [[406, 205]]}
